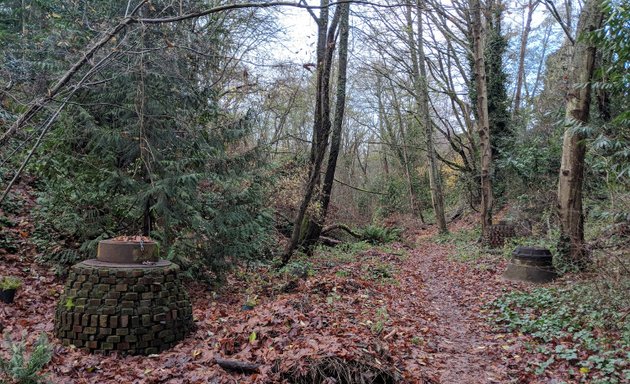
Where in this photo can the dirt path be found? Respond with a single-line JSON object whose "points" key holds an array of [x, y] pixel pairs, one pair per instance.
{"points": [[464, 348]]}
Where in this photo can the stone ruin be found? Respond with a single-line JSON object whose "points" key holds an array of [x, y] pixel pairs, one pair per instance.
{"points": [[498, 233], [531, 264], [125, 300]]}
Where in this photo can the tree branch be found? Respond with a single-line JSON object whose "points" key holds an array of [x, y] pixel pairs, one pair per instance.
{"points": [[342, 227], [554, 12], [205, 12]]}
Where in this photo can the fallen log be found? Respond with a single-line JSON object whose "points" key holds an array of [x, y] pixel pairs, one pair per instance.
{"points": [[329, 241], [343, 227], [237, 366]]}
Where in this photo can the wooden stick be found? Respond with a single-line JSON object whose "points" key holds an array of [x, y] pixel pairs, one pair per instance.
{"points": [[237, 366]]}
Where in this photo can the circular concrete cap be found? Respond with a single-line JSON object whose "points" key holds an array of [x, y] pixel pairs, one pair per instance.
{"points": [[147, 264], [528, 273], [123, 251]]}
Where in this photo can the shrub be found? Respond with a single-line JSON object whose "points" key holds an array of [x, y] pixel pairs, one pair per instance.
{"points": [[24, 370], [374, 234], [10, 282], [574, 325]]}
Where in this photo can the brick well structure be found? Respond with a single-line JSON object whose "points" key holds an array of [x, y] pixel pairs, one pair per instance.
{"points": [[132, 308]]}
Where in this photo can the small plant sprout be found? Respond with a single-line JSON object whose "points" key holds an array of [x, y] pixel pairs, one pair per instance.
{"points": [[251, 300]]}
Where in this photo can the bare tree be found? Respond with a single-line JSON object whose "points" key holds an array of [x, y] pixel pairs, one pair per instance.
{"points": [[316, 223], [531, 7], [326, 37], [421, 95]]}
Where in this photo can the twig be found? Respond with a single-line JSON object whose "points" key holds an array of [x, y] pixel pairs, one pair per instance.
{"points": [[237, 366], [228, 7], [554, 12], [357, 188]]}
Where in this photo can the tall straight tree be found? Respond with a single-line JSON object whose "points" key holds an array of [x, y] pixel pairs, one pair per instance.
{"points": [[326, 36], [421, 96], [498, 115], [316, 223], [573, 147], [483, 125]]}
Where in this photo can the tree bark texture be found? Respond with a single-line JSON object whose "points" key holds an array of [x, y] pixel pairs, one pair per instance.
{"points": [[573, 147], [422, 96], [317, 223], [483, 126], [321, 124]]}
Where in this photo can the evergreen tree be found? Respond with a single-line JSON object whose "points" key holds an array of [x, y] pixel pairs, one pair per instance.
{"points": [[147, 146]]}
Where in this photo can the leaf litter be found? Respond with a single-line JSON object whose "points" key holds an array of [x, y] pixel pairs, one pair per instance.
{"points": [[395, 314]]}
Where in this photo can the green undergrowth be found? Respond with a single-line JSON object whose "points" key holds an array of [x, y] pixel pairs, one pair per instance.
{"points": [[22, 367], [561, 264], [579, 325], [469, 249], [467, 246], [343, 253], [375, 234], [373, 266]]}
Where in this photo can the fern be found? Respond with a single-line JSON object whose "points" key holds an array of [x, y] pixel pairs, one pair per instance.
{"points": [[22, 369], [380, 235]]}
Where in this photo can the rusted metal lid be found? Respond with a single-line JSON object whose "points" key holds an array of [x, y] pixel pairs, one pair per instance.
{"points": [[145, 265], [122, 250]]}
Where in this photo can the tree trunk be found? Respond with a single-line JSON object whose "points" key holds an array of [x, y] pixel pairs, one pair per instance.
{"points": [[483, 127], [422, 97], [521, 57], [317, 223], [321, 123], [573, 147], [406, 160]]}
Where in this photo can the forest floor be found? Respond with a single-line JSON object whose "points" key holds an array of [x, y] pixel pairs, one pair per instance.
{"points": [[402, 312]]}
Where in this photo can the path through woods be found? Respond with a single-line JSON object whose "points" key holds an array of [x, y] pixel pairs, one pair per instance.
{"points": [[407, 310], [465, 349]]}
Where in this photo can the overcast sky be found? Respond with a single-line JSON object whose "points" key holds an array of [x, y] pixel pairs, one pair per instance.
{"points": [[301, 38]]}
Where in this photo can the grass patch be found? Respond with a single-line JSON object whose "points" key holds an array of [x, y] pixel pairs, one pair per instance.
{"points": [[574, 325], [299, 267], [361, 260]]}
